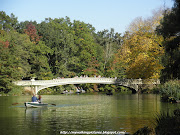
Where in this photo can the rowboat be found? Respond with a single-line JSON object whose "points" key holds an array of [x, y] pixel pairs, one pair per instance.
{"points": [[35, 104]]}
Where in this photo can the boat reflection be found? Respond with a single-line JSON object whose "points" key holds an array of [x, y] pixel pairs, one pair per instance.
{"points": [[35, 113]]}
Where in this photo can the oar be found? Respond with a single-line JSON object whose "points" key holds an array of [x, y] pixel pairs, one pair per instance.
{"points": [[15, 103], [52, 104], [19, 103]]}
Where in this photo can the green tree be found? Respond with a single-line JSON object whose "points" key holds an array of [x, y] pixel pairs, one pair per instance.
{"points": [[88, 49], [14, 58], [7, 23], [110, 43], [39, 61], [170, 29], [57, 35]]}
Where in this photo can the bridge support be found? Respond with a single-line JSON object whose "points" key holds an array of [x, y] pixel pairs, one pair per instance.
{"points": [[36, 89], [136, 87]]}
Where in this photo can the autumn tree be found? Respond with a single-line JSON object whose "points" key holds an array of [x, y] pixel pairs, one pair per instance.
{"points": [[142, 49], [32, 33]]}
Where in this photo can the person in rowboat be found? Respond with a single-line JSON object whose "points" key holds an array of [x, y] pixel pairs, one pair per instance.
{"points": [[40, 99], [34, 98]]}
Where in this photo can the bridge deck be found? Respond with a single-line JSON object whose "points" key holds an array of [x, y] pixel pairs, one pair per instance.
{"points": [[42, 84]]}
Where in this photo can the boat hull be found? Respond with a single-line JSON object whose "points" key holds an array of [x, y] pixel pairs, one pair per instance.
{"points": [[35, 104]]}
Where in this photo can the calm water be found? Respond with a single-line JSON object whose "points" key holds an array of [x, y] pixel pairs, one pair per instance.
{"points": [[97, 112]]}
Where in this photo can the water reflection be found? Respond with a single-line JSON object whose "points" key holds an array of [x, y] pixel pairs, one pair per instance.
{"points": [[35, 113], [81, 113]]}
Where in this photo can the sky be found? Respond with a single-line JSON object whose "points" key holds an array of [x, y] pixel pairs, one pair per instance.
{"points": [[101, 14]]}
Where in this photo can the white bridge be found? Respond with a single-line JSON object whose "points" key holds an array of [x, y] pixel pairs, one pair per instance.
{"points": [[42, 84]]}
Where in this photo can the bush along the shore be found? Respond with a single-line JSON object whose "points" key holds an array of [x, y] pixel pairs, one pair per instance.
{"points": [[170, 91], [165, 124], [144, 131]]}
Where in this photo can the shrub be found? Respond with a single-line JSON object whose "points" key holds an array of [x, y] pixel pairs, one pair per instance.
{"points": [[16, 90], [167, 124], [170, 91], [144, 131]]}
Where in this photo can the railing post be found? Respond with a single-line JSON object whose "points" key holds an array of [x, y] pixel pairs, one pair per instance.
{"points": [[140, 81]]}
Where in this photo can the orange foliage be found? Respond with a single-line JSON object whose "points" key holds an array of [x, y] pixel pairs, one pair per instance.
{"points": [[5, 44], [32, 33]]}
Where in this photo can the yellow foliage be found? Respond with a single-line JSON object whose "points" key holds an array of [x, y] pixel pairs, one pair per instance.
{"points": [[140, 55], [141, 51]]}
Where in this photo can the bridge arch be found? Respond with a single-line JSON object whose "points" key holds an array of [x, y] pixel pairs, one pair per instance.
{"points": [[39, 88], [42, 84]]}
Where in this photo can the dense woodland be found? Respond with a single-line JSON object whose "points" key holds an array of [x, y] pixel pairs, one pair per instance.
{"points": [[61, 47]]}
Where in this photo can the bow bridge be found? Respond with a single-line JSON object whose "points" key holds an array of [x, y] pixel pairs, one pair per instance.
{"points": [[42, 84]]}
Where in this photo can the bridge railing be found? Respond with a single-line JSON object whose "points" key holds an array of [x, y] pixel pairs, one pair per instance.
{"points": [[65, 80], [151, 81], [139, 81], [132, 81], [87, 80]]}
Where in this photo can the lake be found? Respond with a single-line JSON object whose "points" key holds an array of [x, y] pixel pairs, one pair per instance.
{"points": [[80, 112]]}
